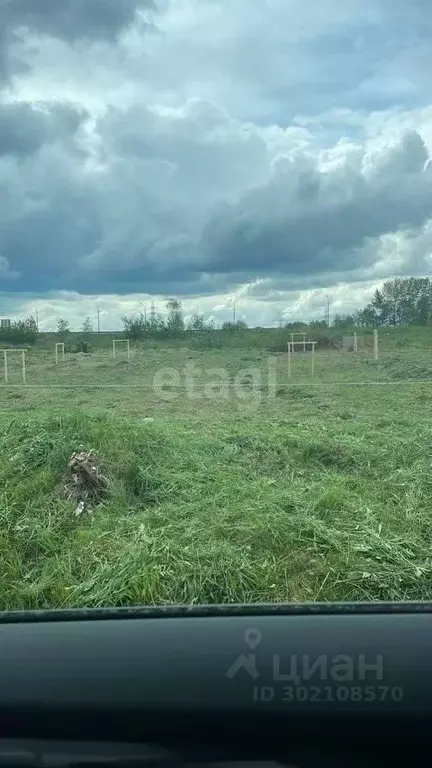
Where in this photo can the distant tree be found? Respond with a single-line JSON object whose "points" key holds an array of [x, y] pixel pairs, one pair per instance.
{"points": [[155, 324], [344, 321], [175, 321], [367, 317], [296, 326], [23, 332], [387, 303], [199, 323], [63, 329], [87, 326], [134, 327], [239, 325], [318, 324], [405, 301]]}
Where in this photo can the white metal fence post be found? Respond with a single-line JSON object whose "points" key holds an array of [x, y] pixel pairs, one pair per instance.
{"points": [[60, 345], [376, 353], [6, 363]]}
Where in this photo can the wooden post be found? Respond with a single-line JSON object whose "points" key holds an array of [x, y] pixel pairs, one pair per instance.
{"points": [[114, 350], [128, 349], [289, 360], [62, 347], [376, 353], [6, 365], [313, 360], [355, 343], [304, 342]]}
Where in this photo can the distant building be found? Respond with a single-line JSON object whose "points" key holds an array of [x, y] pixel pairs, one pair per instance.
{"points": [[5, 322]]}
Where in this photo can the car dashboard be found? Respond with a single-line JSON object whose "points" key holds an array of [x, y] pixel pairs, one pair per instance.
{"points": [[216, 686]]}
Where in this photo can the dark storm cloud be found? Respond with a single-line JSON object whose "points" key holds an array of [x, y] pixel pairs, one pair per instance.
{"points": [[24, 127], [67, 20], [135, 224], [72, 19], [310, 222]]}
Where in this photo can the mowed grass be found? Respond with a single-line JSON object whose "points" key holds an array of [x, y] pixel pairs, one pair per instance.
{"points": [[310, 490]]}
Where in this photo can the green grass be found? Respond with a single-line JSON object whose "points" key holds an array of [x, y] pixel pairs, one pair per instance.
{"points": [[320, 490]]}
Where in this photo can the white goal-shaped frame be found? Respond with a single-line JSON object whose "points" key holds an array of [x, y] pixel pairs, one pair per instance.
{"points": [[59, 347], [121, 341], [7, 352], [291, 344], [299, 343]]}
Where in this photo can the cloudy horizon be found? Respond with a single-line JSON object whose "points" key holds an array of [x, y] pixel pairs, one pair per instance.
{"points": [[269, 151]]}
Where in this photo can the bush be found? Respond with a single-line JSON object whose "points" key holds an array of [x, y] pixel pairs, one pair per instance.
{"points": [[78, 346], [83, 346], [325, 340], [23, 332]]}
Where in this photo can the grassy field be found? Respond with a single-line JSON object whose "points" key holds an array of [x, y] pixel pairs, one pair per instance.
{"points": [[227, 481]]}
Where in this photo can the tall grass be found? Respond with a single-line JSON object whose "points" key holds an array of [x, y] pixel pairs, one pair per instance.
{"points": [[245, 513]]}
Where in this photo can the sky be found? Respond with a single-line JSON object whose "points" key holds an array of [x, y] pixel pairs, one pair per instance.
{"points": [[266, 152]]}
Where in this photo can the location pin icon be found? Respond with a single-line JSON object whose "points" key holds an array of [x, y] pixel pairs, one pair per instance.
{"points": [[253, 638]]}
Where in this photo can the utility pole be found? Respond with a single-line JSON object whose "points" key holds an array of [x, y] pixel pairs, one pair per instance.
{"points": [[234, 310], [98, 318], [328, 310], [37, 319]]}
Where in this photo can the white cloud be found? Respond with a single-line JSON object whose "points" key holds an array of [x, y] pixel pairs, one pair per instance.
{"points": [[230, 142]]}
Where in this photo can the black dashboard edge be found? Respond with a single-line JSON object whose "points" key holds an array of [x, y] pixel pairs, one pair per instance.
{"points": [[227, 610]]}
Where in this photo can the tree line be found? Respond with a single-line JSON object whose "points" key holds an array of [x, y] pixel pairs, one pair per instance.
{"points": [[400, 302], [25, 332], [172, 324]]}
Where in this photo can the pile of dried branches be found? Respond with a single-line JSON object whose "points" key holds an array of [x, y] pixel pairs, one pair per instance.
{"points": [[84, 481]]}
